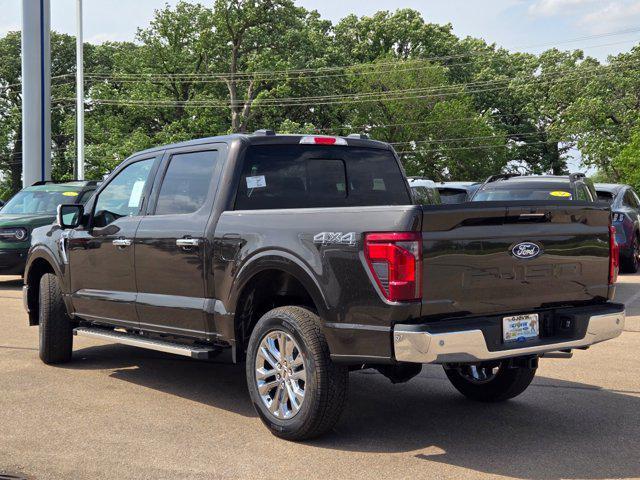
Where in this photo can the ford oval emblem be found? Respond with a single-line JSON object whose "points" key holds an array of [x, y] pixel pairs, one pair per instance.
{"points": [[526, 250]]}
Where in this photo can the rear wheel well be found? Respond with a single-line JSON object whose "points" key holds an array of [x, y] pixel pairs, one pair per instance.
{"points": [[38, 268], [265, 291]]}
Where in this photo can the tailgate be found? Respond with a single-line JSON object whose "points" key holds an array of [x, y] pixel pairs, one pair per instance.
{"points": [[496, 257]]}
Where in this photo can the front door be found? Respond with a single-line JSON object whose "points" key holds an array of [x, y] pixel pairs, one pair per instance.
{"points": [[101, 255], [171, 246]]}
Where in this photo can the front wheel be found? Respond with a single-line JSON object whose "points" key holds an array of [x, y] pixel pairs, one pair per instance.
{"points": [[56, 330], [296, 389], [491, 382]]}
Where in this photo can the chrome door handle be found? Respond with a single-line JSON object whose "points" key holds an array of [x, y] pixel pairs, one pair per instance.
{"points": [[122, 242], [188, 242]]}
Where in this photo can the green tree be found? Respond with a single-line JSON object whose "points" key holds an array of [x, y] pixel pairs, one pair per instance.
{"points": [[627, 162]]}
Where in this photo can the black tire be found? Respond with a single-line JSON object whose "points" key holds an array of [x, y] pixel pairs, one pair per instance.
{"points": [[629, 261], [325, 388], [56, 330], [507, 383]]}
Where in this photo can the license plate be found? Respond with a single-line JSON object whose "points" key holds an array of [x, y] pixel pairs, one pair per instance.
{"points": [[520, 328]]}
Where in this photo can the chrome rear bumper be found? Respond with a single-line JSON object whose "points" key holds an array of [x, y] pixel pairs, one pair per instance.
{"points": [[469, 346]]}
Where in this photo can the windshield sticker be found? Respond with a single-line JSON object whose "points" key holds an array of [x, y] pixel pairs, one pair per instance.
{"points": [[559, 193], [256, 182], [136, 194], [70, 194]]}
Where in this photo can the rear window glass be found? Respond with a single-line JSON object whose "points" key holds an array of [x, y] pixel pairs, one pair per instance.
{"points": [[426, 195], [452, 195], [605, 196], [504, 194], [307, 176]]}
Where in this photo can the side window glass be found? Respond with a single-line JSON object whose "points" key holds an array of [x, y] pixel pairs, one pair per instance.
{"points": [[122, 197], [583, 194], [186, 184], [629, 199], [419, 195], [85, 196], [635, 198]]}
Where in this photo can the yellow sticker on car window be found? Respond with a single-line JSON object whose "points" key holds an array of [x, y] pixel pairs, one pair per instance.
{"points": [[70, 194], [559, 193]]}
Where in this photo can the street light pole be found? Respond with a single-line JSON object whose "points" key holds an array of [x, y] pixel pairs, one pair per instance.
{"points": [[79, 92]]}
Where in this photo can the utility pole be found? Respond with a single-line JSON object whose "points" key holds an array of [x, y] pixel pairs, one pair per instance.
{"points": [[36, 91], [79, 92]]}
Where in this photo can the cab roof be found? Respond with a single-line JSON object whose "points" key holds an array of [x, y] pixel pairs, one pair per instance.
{"points": [[527, 181], [610, 187], [537, 178], [421, 182], [460, 185], [265, 137]]}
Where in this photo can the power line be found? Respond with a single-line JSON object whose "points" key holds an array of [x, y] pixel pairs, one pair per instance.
{"points": [[489, 51], [216, 79], [460, 139], [477, 147], [19, 84], [407, 94], [237, 75]]}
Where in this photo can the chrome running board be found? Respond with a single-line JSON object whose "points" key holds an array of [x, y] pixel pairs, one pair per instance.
{"points": [[136, 340]]}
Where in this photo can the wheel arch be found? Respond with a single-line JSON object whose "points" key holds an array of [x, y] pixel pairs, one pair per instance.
{"points": [[40, 262], [269, 280]]}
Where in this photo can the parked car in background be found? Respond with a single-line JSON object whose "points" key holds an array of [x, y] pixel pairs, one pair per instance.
{"points": [[424, 191], [456, 192], [33, 207], [515, 187], [625, 207]]}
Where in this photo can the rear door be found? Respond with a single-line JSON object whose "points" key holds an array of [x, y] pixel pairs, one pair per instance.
{"points": [[171, 247], [496, 257]]}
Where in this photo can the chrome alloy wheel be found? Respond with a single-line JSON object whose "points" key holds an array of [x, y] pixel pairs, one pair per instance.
{"points": [[478, 373], [281, 375]]}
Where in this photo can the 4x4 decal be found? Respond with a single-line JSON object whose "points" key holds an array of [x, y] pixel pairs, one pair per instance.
{"points": [[335, 238]]}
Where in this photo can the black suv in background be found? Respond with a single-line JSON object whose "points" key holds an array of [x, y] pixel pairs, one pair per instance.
{"points": [[625, 206], [515, 187]]}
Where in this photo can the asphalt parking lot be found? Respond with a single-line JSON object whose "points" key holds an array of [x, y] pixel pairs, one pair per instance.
{"points": [[119, 412]]}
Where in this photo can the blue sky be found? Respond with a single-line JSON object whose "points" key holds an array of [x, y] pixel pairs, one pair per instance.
{"points": [[510, 23]]}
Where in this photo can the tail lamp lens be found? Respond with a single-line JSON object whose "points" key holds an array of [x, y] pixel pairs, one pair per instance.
{"points": [[614, 256], [395, 261], [617, 217], [315, 140]]}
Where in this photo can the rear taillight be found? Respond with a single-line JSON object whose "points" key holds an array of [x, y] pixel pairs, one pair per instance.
{"points": [[617, 217], [614, 256], [395, 261], [316, 140]]}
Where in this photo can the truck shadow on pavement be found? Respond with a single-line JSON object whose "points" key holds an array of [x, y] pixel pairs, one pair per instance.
{"points": [[215, 383], [556, 429], [11, 283]]}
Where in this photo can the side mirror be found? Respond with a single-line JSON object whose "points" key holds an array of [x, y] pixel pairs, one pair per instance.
{"points": [[69, 216]]}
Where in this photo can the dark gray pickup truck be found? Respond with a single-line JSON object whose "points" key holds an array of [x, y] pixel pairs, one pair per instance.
{"points": [[305, 258]]}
